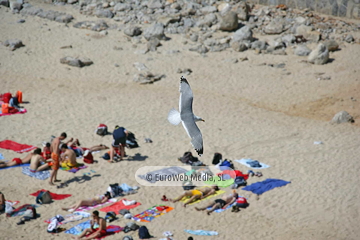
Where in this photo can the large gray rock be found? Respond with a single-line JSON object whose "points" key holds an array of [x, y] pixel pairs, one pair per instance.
{"points": [[168, 20], [75, 62], [208, 9], [261, 45], [33, 11], [155, 31], [320, 55], [94, 26], [16, 5], [132, 31], [239, 46], [302, 50], [349, 38], [207, 21], [331, 45], [104, 13], [276, 26], [229, 22], [13, 44], [119, 7], [242, 34], [66, 18], [342, 117], [5, 3], [152, 44], [200, 49], [155, 4]]}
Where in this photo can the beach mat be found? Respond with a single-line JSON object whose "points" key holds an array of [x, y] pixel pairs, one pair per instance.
{"points": [[201, 232], [21, 210], [42, 175], [54, 196], [77, 230], [75, 216], [17, 147], [266, 185], [166, 172], [87, 208], [220, 182], [246, 161], [199, 200], [22, 165], [116, 207], [74, 169], [20, 112], [151, 213]]}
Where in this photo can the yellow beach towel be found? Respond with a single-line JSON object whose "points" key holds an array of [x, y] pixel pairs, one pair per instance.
{"points": [[213, 195]]}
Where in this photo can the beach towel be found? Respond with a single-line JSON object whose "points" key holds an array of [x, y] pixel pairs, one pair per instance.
{"points": [[1, 157], [216, 194], [42, 175], [116, 207], [87, 208], [12, 203], [74, 169], [247, 162], [17, 147], [54, 196], [264, 186], [222, 209], [202, 232], [220, 182], [153, 176], [22, 165], [19, 112], [75, 216], [77, 230], [21, 210], [226, 174], [151, 213]]}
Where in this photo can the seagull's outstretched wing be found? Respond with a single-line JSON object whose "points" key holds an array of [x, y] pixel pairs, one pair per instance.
{"points": [[187, 116]]}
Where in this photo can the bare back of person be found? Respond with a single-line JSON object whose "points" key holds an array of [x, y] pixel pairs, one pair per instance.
{"points": [[35, 162], [71, 156]]}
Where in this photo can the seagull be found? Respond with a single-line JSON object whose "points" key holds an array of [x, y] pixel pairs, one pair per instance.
{"points": [[187, 117]]}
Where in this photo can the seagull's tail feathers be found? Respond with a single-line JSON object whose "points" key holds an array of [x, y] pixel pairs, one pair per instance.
{"points": [[174, 117]]}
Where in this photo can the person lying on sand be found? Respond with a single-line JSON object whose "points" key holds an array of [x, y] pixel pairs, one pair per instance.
{"points": [[37, 162], [75, 146], [220, 203], [196, 194], [241, 202], [68, 157], [89, 202], [16, 161], [94, 233]]}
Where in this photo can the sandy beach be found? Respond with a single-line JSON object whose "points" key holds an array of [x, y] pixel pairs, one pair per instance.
{"points": [[251, 110]]}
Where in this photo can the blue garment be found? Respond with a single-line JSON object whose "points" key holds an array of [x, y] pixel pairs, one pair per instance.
{"points": [[1, 157], [202, 232], [77, 230], [266, 185], [125, 187], [119, 133]]}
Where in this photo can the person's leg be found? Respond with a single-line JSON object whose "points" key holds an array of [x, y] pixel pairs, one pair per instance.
{"points": [[7, 164], [185, 194], [69, 142], [55, 176], [192, 199], [52, 176], [98, 148], [214, 207], [203, 208], [83, 234], [42, 167], [27, 158], [122, 151], [93, 236]]}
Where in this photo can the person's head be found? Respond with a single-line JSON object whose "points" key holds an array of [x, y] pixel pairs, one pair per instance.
{"points": [[63, 136], [117, 126], [64, 146], [215, 187], [95, 214], [235, 194], [107, 195], [47, 144], [190, 238], [37, 151]]}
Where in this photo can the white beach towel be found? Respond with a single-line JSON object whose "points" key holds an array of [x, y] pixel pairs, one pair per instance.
{"points": [[244, 161]]}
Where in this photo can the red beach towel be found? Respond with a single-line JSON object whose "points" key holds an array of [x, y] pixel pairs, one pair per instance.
{"points": [[17, 147], [54, 196], [116, 207]]}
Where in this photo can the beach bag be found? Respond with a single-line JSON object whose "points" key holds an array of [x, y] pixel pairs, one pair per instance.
{"points": [[115, 190], [131, 140], [106, 156], [144, 233], [240, 181], [133, 226], [216, 159], [88, 158], [102, 130], [43, 198], [30, 212], [110, 216], [226, 165], [54, 223], [6, 97], [19, 96]]}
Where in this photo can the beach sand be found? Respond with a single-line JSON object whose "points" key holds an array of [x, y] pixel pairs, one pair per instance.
{"points": [[250, 110]]}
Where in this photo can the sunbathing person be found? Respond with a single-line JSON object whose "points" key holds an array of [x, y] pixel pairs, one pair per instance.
{"points": [[89, 202], [68, 157], [207, 191], [37, 162], [75, 145], [16, 161], [193, 194], [94, 233], [220, 203], [46, 153]]}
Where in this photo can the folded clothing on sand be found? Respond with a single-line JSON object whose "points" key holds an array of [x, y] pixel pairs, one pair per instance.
{"points": [[17, 147]]}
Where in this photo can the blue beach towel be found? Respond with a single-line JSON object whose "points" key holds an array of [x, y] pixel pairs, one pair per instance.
{"points": [[77, 230], [266, 185], [22, 165], [202, 232], [42, 175], [250, 163]]}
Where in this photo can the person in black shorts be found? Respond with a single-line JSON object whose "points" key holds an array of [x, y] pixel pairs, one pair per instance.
{"points": [[220, 203], [119, 141]]}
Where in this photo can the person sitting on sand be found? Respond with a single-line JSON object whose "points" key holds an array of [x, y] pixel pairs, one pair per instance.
{"points": [[16, 161], [2, 202], [89, 202], [37, 162], [94, 232], [46, 153], [68, 157], [196, 194], [220, 203]]}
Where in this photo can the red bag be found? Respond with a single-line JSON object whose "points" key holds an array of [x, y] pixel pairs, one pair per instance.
{"points": [[7, 97], [88, 158]]}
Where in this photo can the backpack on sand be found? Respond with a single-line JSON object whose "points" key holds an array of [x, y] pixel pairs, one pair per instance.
{"points": [[144, 233], [102, 130], [43, 198], [54, 223]]}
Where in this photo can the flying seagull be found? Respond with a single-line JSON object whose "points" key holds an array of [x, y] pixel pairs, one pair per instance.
{"points": [[187, 117]]}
